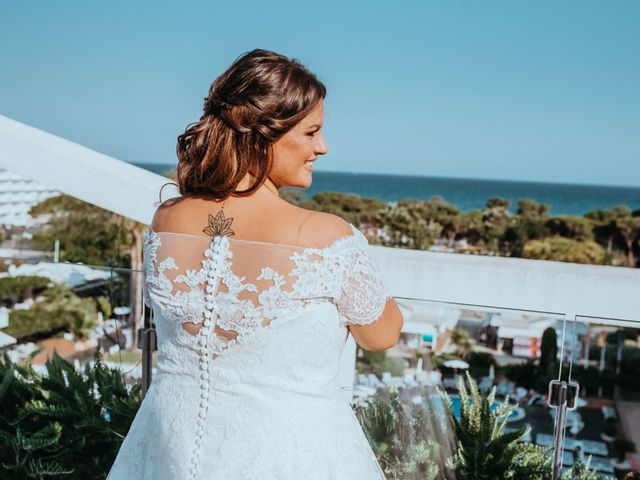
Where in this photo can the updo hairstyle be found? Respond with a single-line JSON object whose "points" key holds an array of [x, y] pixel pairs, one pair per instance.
{"points": [[250, 106]]}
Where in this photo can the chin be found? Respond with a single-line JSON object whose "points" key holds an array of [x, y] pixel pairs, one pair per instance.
{"points": [[303, 181]]}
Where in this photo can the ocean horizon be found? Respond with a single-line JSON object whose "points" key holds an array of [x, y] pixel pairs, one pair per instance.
{"points": [[465, 193]]}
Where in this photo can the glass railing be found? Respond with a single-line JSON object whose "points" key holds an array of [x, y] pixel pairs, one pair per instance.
{"points": [[516, 354], [72, 309], [415, 400]]}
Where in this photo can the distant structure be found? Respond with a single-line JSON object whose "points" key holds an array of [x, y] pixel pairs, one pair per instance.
{"points": [[17, 195]]}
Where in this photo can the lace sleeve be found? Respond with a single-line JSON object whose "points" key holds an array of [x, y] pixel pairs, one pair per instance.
{"points": [[150, 245], [363, 292], [145, 289]]}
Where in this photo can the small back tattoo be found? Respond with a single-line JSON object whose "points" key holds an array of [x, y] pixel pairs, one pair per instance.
{"points": [[219, 225]]}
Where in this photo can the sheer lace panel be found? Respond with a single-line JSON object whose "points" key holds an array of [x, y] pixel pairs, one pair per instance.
{"points": [[239, 286]]}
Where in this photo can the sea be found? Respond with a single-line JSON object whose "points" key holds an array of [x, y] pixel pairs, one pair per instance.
{"points": [[466, 193]]}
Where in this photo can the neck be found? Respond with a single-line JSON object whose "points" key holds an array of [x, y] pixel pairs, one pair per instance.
{"points": [[268, 185]]}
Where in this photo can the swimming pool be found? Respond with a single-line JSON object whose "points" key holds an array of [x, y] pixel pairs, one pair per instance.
{"points": [[438, 403]]}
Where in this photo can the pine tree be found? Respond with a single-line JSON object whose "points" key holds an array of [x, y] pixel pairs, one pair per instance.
{"points": [[548, 353]]}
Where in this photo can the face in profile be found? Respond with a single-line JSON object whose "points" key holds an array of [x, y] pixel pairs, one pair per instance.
{"points": [[296, 151]]}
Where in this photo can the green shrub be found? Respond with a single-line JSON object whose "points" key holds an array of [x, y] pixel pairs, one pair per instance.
{"points": [[61, 309], [65, 425], [410, 441], [481, 360], [14, 289]]}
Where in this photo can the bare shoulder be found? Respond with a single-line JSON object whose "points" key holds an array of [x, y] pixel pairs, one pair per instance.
{"points": [[169, 215], [322, 229]]}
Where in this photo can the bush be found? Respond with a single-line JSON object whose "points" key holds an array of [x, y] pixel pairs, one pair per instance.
{"points": [[524, 375], [481, 360], [410, 441], [16, 289], [61, 309], [379, 363], [67, 424]]}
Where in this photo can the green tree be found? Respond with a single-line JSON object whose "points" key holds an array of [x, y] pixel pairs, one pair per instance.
{"points": [[561, 249], [60, 309], [549, 352], [496, 219], [94, 236], [603, 228], [528, 224], [87, 234], [575, 228], [17, 289], [410, 219], [350, 207], [628, 228], [463, 341]]}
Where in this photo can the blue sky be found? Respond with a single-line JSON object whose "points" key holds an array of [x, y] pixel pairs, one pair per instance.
{"points": [[528, 90]]}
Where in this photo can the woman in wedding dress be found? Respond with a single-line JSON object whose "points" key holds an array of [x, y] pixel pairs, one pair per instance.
{"points": [[253, 298]]}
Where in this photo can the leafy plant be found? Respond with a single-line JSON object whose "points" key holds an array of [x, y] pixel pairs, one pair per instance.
{"points": [[410, 440], [65, 424], [485, 450], [580, 471]]}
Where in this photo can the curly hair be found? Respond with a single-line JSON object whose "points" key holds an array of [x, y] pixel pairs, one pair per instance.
{"points": [[258, 99]]}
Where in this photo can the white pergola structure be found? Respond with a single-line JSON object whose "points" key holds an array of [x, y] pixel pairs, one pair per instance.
{"points": [[596, 294]]}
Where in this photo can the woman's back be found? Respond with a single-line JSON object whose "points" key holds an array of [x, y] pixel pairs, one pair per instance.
{"points": [[262, 217], [253, 298], [250, 334]]}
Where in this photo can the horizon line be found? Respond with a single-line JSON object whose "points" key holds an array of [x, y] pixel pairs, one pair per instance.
{"points": [[445, 177]]}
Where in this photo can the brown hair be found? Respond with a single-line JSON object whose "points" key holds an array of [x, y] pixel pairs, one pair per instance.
{"points": [[260, 97]]}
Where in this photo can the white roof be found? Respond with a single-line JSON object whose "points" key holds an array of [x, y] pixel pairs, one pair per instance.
{"points": [[68, 273], [6, 340]]}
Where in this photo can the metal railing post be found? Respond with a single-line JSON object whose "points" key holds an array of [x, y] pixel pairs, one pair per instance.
{"points": [[147, 341]]}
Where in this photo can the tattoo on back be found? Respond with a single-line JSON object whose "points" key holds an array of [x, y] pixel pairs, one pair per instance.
{"points": [[219, 225]]}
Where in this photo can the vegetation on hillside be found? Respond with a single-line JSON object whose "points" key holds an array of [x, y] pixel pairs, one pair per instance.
{"points": [[600, 237]]}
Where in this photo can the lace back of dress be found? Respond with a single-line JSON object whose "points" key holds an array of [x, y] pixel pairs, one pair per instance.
{"points": [[232, 287]]}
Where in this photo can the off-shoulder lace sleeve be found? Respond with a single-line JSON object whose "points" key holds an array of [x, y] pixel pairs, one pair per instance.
{"points": [[150, 246], [145, 290], [363, 292]]}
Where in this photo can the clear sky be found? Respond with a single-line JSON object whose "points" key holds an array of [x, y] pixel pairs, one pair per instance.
{"points": [[526, 90]]}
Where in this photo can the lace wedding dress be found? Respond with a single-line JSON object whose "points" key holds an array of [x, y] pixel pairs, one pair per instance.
{"points": [[252, 393]]}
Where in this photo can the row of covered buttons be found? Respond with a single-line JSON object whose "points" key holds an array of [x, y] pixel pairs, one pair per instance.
{"points": [[212, 253]]}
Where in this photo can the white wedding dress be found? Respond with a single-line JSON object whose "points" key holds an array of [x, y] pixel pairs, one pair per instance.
{"points": [[253, 393]]}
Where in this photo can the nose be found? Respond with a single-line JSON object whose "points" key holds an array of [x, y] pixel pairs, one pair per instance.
{"points": [[321, 146]]}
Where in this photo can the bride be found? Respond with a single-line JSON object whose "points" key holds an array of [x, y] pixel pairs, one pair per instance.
{"points": [[253, 298]]}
